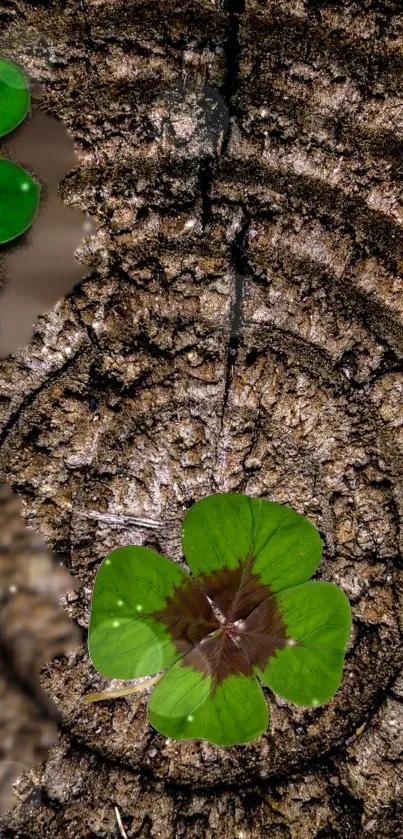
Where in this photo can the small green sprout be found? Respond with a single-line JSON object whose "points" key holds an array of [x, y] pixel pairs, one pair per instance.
{"points": [[19, 192], [248, 614]]}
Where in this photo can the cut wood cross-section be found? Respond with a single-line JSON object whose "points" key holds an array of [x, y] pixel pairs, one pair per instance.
{"points": [[239, 329]]}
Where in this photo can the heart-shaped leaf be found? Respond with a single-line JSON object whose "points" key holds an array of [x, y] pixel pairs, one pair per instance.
{"points": [[308, 669], [14, 96], [221, 530], [184, 705], [125, 638], [19, 200], [248, 612]]}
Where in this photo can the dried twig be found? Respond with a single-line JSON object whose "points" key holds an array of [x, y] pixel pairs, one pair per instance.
{"points": [[120, 824], [118, 518], [114, 694]]}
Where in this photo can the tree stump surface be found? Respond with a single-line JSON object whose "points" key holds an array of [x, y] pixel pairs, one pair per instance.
{"points": [[239, 329]]}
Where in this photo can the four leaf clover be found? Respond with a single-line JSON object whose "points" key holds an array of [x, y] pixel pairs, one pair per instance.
{"points": [[19, 192], [249, 614]]}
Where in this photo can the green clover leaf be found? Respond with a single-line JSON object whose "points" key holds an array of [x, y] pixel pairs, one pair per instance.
{"points": [[19, 200], [14, 96], [248, 614], [19, 192]]}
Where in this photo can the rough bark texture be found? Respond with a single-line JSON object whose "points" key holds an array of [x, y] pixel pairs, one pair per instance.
{"points": [[241, 329]]}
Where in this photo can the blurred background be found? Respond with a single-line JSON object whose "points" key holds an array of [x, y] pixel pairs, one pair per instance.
{"points": [[33, 629], [40, 267]]}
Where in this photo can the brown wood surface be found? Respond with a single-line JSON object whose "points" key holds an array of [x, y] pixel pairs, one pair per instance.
{"points": [[240, 328]]}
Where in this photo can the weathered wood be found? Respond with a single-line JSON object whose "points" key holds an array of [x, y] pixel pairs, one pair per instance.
{"points": [[241, 329]]}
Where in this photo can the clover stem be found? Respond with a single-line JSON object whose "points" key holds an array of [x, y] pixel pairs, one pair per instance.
{"points": [[113, 694]]}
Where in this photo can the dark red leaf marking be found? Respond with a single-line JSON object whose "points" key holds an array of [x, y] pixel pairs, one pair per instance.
{"points": [[188, 616], [226, 623]]}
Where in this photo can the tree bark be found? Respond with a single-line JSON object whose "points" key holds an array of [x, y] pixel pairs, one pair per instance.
{"points": [[240, 330]]}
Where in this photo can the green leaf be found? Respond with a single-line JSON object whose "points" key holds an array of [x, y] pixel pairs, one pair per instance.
{"points": [[248, 612], [14, 96], [222, 530], [186, 705], [308, 670], [126, 638], [19, 200]]}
